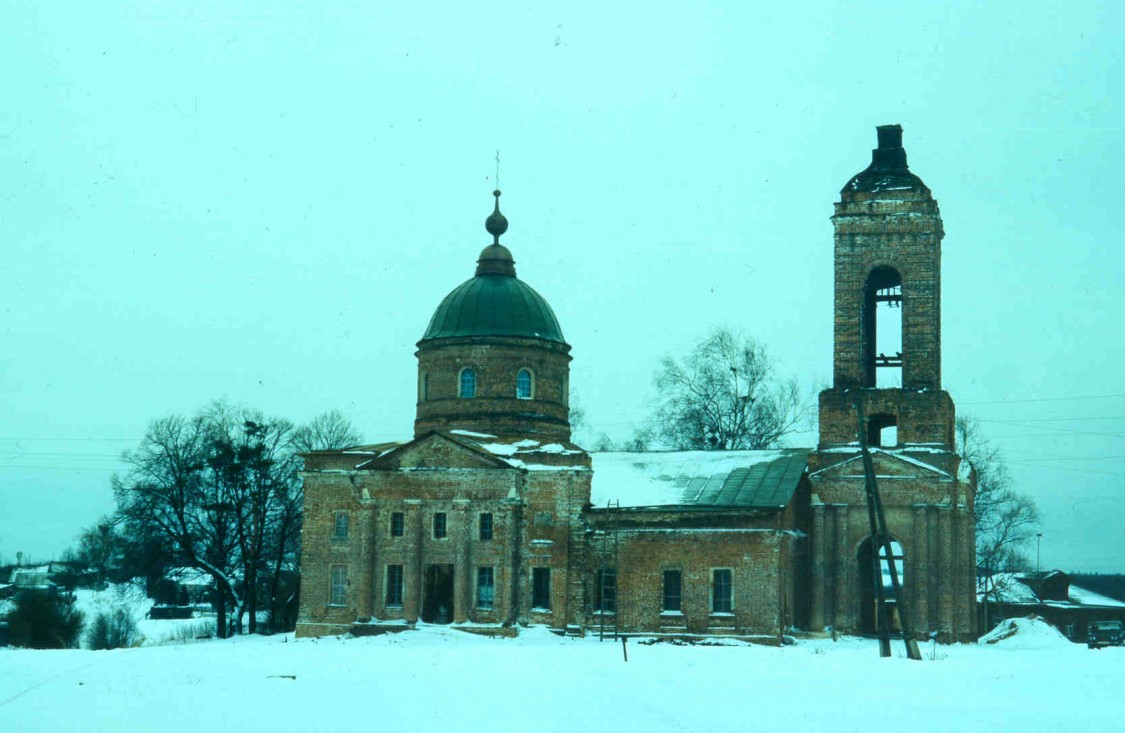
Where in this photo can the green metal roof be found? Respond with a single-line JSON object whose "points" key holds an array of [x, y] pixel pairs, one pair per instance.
{"points": [[767, 484], [494, 305]]}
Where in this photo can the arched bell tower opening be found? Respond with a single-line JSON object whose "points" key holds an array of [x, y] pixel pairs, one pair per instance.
{"points": [[882, 329]]}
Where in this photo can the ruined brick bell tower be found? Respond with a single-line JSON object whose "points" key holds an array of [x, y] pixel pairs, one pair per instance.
{"points": [[887, 368]]}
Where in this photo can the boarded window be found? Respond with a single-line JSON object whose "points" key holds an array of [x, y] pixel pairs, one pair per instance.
{"points": [[486, 588], [393, 593], [541, 589], [486, 526], [605, 592], [439, 525], [722, 592], [397, 524], [340, 528], [673, 592], [338, 595]]}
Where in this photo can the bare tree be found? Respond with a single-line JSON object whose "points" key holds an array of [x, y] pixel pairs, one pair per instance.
{"points": [[724, 396], [100, 548], [327, 431], [221, 492], [166, 496], [1005, 520]]}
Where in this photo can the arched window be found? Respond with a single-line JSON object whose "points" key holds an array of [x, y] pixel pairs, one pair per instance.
{"points": [[882, 328], [423, 386], [525, 385], [468, 388]]}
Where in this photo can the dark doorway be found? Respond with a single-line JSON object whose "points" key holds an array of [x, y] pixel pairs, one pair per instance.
{"points": [[437, 601], [869, 575]]}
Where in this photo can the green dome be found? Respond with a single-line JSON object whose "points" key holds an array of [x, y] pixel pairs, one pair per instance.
{"points": [[494, 305]]}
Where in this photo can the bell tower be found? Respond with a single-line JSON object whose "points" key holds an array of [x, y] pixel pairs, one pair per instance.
{"points": [[887, 318], [886, 381]]}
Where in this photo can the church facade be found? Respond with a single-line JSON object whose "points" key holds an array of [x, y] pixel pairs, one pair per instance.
{"points": [[491, 518]]}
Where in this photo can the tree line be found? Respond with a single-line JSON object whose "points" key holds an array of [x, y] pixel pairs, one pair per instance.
{"points": [[218, 492]]}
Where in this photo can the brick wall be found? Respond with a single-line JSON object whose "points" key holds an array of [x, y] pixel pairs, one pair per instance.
{"points": [[495, 409], [761, 550], [536, 517]]}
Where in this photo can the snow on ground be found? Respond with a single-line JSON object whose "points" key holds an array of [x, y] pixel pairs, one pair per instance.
{"points": [[132, 598], [1025, 633], [438, 679]]}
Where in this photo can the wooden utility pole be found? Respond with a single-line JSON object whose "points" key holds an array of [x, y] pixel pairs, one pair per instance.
{"points": [[881, 539]]}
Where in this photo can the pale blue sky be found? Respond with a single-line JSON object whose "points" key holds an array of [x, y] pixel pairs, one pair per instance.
{"points": [[266, 201]]}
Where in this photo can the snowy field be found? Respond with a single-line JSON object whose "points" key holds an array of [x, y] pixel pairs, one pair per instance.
{"points": [[437, 679]]}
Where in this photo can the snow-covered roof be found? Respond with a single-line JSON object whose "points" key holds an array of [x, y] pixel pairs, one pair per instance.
{"points": [[1084, 597], [188, 576], [1011, 588], [526, 453], [697, 478]]}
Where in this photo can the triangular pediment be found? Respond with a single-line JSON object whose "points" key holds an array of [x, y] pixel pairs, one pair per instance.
{"points": [[887, 464], [435, 450]]}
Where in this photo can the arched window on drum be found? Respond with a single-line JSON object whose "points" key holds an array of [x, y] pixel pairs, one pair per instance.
{"points": [[468, 384], [525, 384]]}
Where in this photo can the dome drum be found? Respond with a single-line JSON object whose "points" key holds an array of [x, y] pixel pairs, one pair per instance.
{"points": [[494, 407]]}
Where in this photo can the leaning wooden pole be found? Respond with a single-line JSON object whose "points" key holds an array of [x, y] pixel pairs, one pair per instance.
{"points": [[900, 597], [882, 621], [875, 504]]}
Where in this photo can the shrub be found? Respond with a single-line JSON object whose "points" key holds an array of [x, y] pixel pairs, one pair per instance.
{"points": [[44, 620], [112, 630]]}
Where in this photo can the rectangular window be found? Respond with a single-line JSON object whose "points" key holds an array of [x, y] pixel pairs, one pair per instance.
{"points": [[722, 592], [393, 593], [340, 528], [541, 589], [439, 525], [673, 592], [486, 526], [338, 595], [397, 524], [486, 588], [605, 593]]}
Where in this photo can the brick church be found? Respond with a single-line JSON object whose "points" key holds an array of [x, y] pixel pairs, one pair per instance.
{"points": [[490, 517]]}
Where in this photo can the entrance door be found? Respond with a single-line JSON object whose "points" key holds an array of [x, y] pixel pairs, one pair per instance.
{"points": [[869, 575], [437, 601]]}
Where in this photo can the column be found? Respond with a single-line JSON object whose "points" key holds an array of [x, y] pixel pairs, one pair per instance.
{"points": [[462, 567], [947, 581], [818, 576], [412, 564], [917, 563], [845, 590]]}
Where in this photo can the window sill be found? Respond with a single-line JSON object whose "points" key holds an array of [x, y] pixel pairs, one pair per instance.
{"points": [[392, 607], [540, 609], [677, 614], [722, 614], [605, 613], [337, 605]]}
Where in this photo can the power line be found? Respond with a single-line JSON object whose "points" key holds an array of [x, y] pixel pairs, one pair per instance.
{"points": [[1045, 399], [1059, 419]]}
